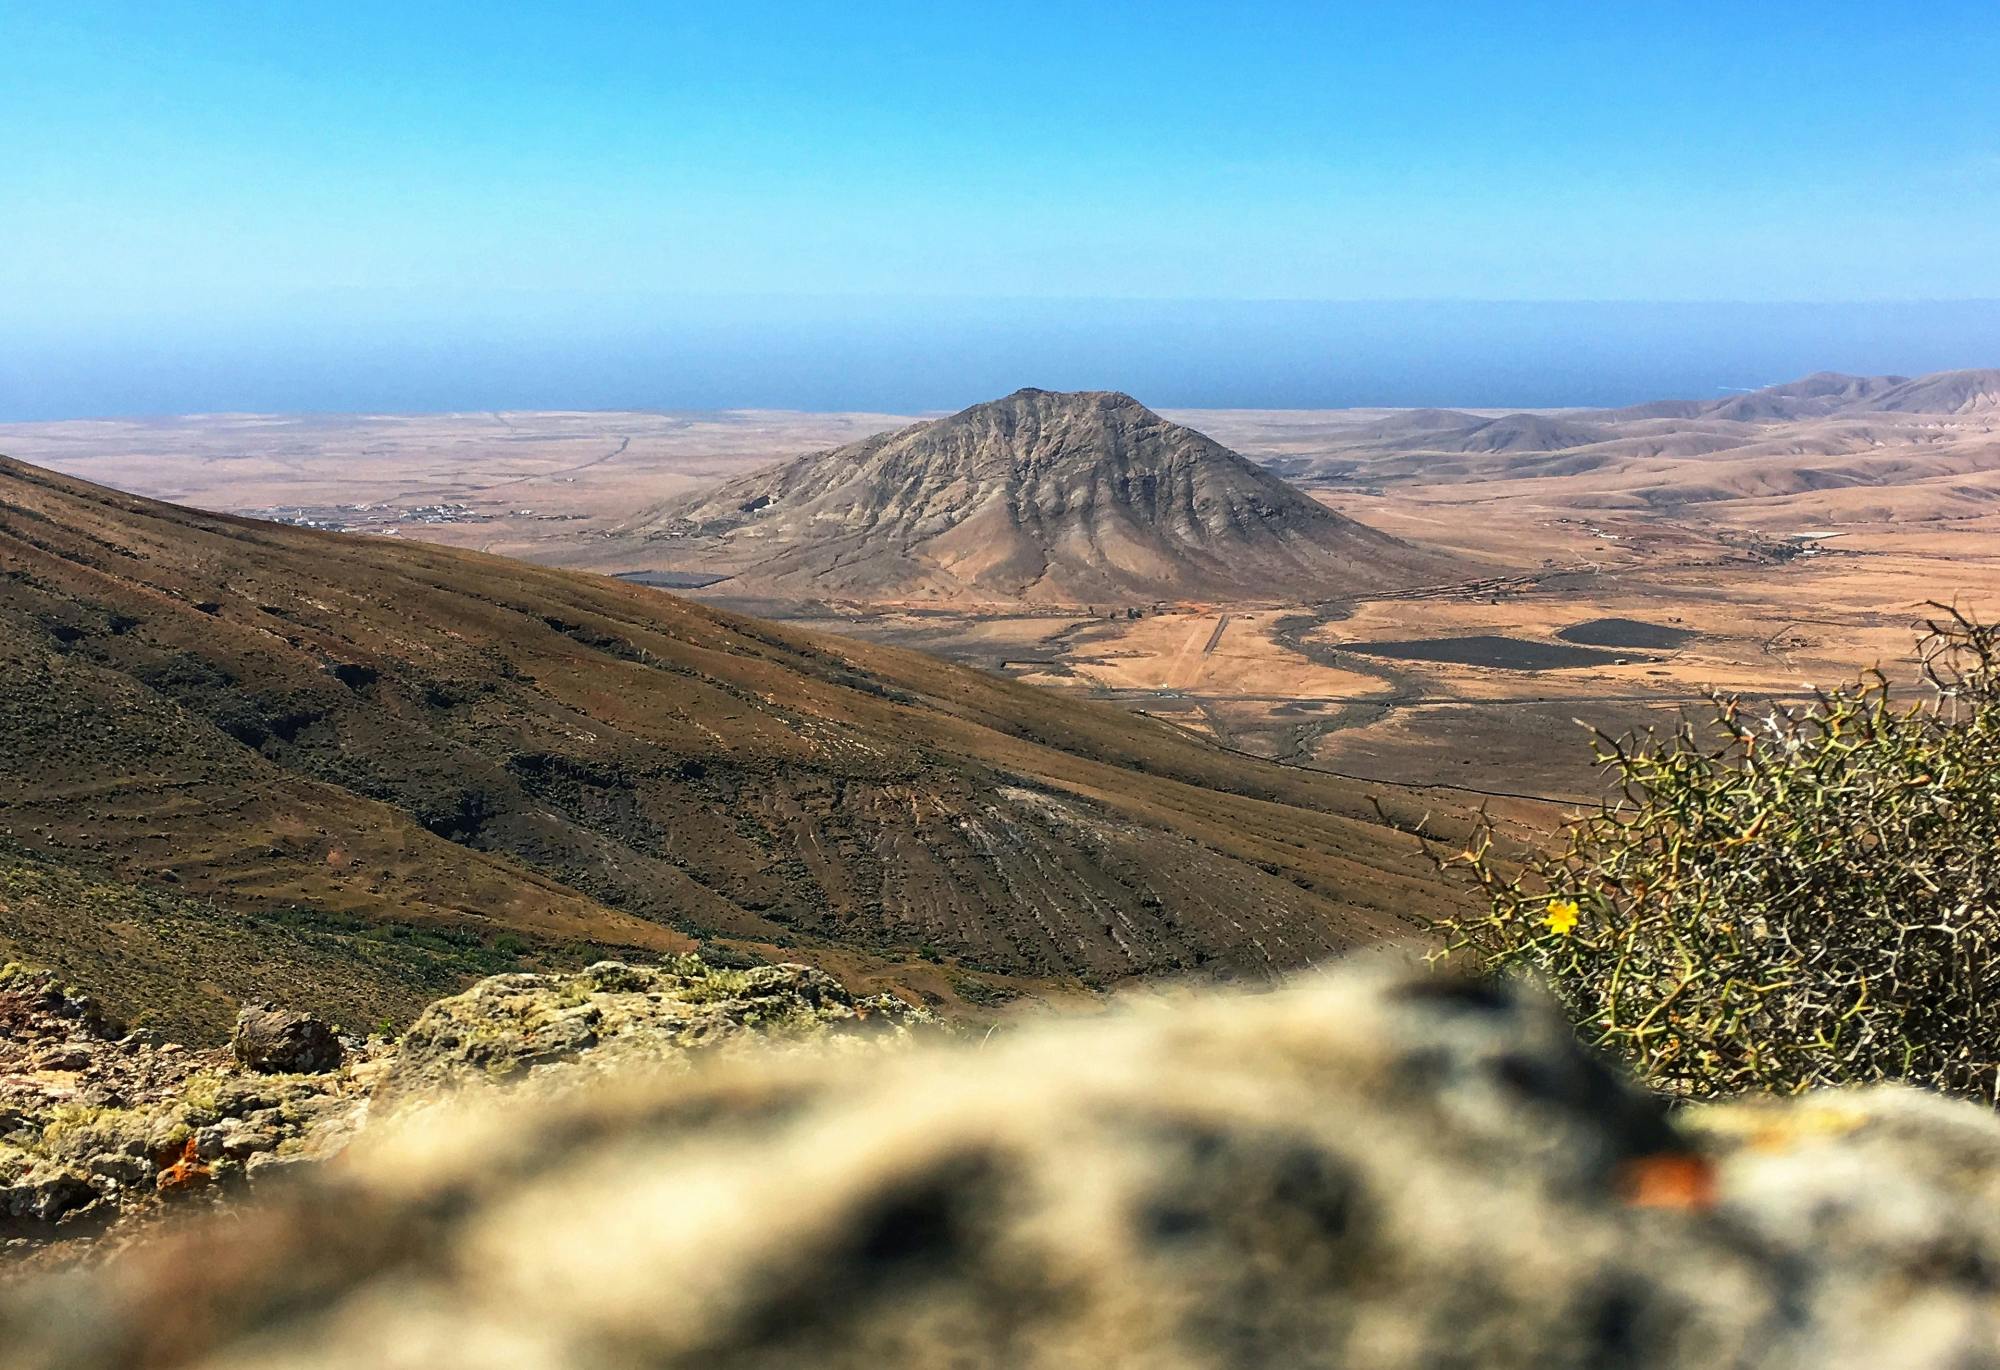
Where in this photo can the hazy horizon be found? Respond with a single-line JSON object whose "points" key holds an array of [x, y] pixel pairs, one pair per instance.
{"points": [[911, 356]]}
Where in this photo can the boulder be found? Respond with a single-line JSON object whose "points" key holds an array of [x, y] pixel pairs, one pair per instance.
{"points": [[275, 1041]]}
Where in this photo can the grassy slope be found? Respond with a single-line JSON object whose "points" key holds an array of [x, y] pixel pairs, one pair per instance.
{"points": [[161, 961]]}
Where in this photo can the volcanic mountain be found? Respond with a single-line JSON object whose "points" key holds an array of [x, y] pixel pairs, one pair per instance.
{"points": [[1043, 497], [242, 758]]}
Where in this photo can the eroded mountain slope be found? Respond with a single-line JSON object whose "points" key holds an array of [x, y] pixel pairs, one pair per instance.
{"points": [[352, 728]]}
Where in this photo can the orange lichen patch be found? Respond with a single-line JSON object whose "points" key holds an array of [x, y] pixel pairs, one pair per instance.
{"points": [[1669, 1180], [186, 1173]]}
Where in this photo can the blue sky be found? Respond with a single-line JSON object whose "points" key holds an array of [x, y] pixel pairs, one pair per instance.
{"points": [[267, 205]]}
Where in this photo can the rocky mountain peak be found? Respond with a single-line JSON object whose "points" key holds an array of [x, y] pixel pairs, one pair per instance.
{"points": [[1044, 496]]}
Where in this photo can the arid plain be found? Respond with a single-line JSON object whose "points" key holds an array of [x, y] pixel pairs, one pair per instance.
{"points": [[1607, 566]]}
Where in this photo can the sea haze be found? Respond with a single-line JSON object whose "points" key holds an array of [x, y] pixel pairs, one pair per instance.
{"points": [[376, 353]]}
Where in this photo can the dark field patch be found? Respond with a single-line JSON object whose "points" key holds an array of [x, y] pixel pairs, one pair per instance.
{"points": [[672, 580], [1503, 653], [1626, 632]]}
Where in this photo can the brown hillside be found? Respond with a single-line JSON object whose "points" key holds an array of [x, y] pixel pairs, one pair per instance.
{"points": [[303, 730]]}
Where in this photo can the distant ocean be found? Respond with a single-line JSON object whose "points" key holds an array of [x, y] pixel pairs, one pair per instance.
{"points": [[343, 353]]}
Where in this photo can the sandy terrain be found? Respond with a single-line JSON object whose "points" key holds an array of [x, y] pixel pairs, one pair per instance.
{"points": [[1776, 554], [536, 485]]}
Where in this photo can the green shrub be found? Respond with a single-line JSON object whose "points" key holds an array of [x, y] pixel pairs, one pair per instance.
{"points": [[1791, 896]]}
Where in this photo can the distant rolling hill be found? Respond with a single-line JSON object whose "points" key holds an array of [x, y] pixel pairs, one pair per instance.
{"points": [[1826, 394], [1041, 497], [1817, 395], [1829, 448], [237, 755], [1946, 392], [1412, 423], [1814, 396], [1447, 430], [1526, 433]]}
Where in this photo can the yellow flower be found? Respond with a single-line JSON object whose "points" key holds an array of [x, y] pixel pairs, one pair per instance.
{"points": [[1562, 916]]}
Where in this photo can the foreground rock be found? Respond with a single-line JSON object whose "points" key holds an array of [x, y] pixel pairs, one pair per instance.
{"points": [[95, 1128], [1370, 1172]]}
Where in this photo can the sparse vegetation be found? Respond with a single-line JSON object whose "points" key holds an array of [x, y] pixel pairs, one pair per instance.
{"points": [[1796, 896], [982, 993], [175, 966]]}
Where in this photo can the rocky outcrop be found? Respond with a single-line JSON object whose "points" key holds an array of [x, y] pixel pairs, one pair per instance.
{"points": [[508, 1027], [95, 1128], [1373, 1170]]}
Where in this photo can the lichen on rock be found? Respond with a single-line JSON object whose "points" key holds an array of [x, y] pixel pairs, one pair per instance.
{"points": [[510, 1026], [96, 1126]]}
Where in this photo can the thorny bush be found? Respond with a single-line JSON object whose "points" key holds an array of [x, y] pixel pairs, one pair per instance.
{"points": [[1785, 897]]}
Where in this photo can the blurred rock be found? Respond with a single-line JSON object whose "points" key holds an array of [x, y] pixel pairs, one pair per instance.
{"points": [[1371, 1172]]}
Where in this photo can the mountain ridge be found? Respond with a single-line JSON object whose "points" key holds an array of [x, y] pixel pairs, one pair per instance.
{"points": [[1827, 394], [1972, 391]]}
